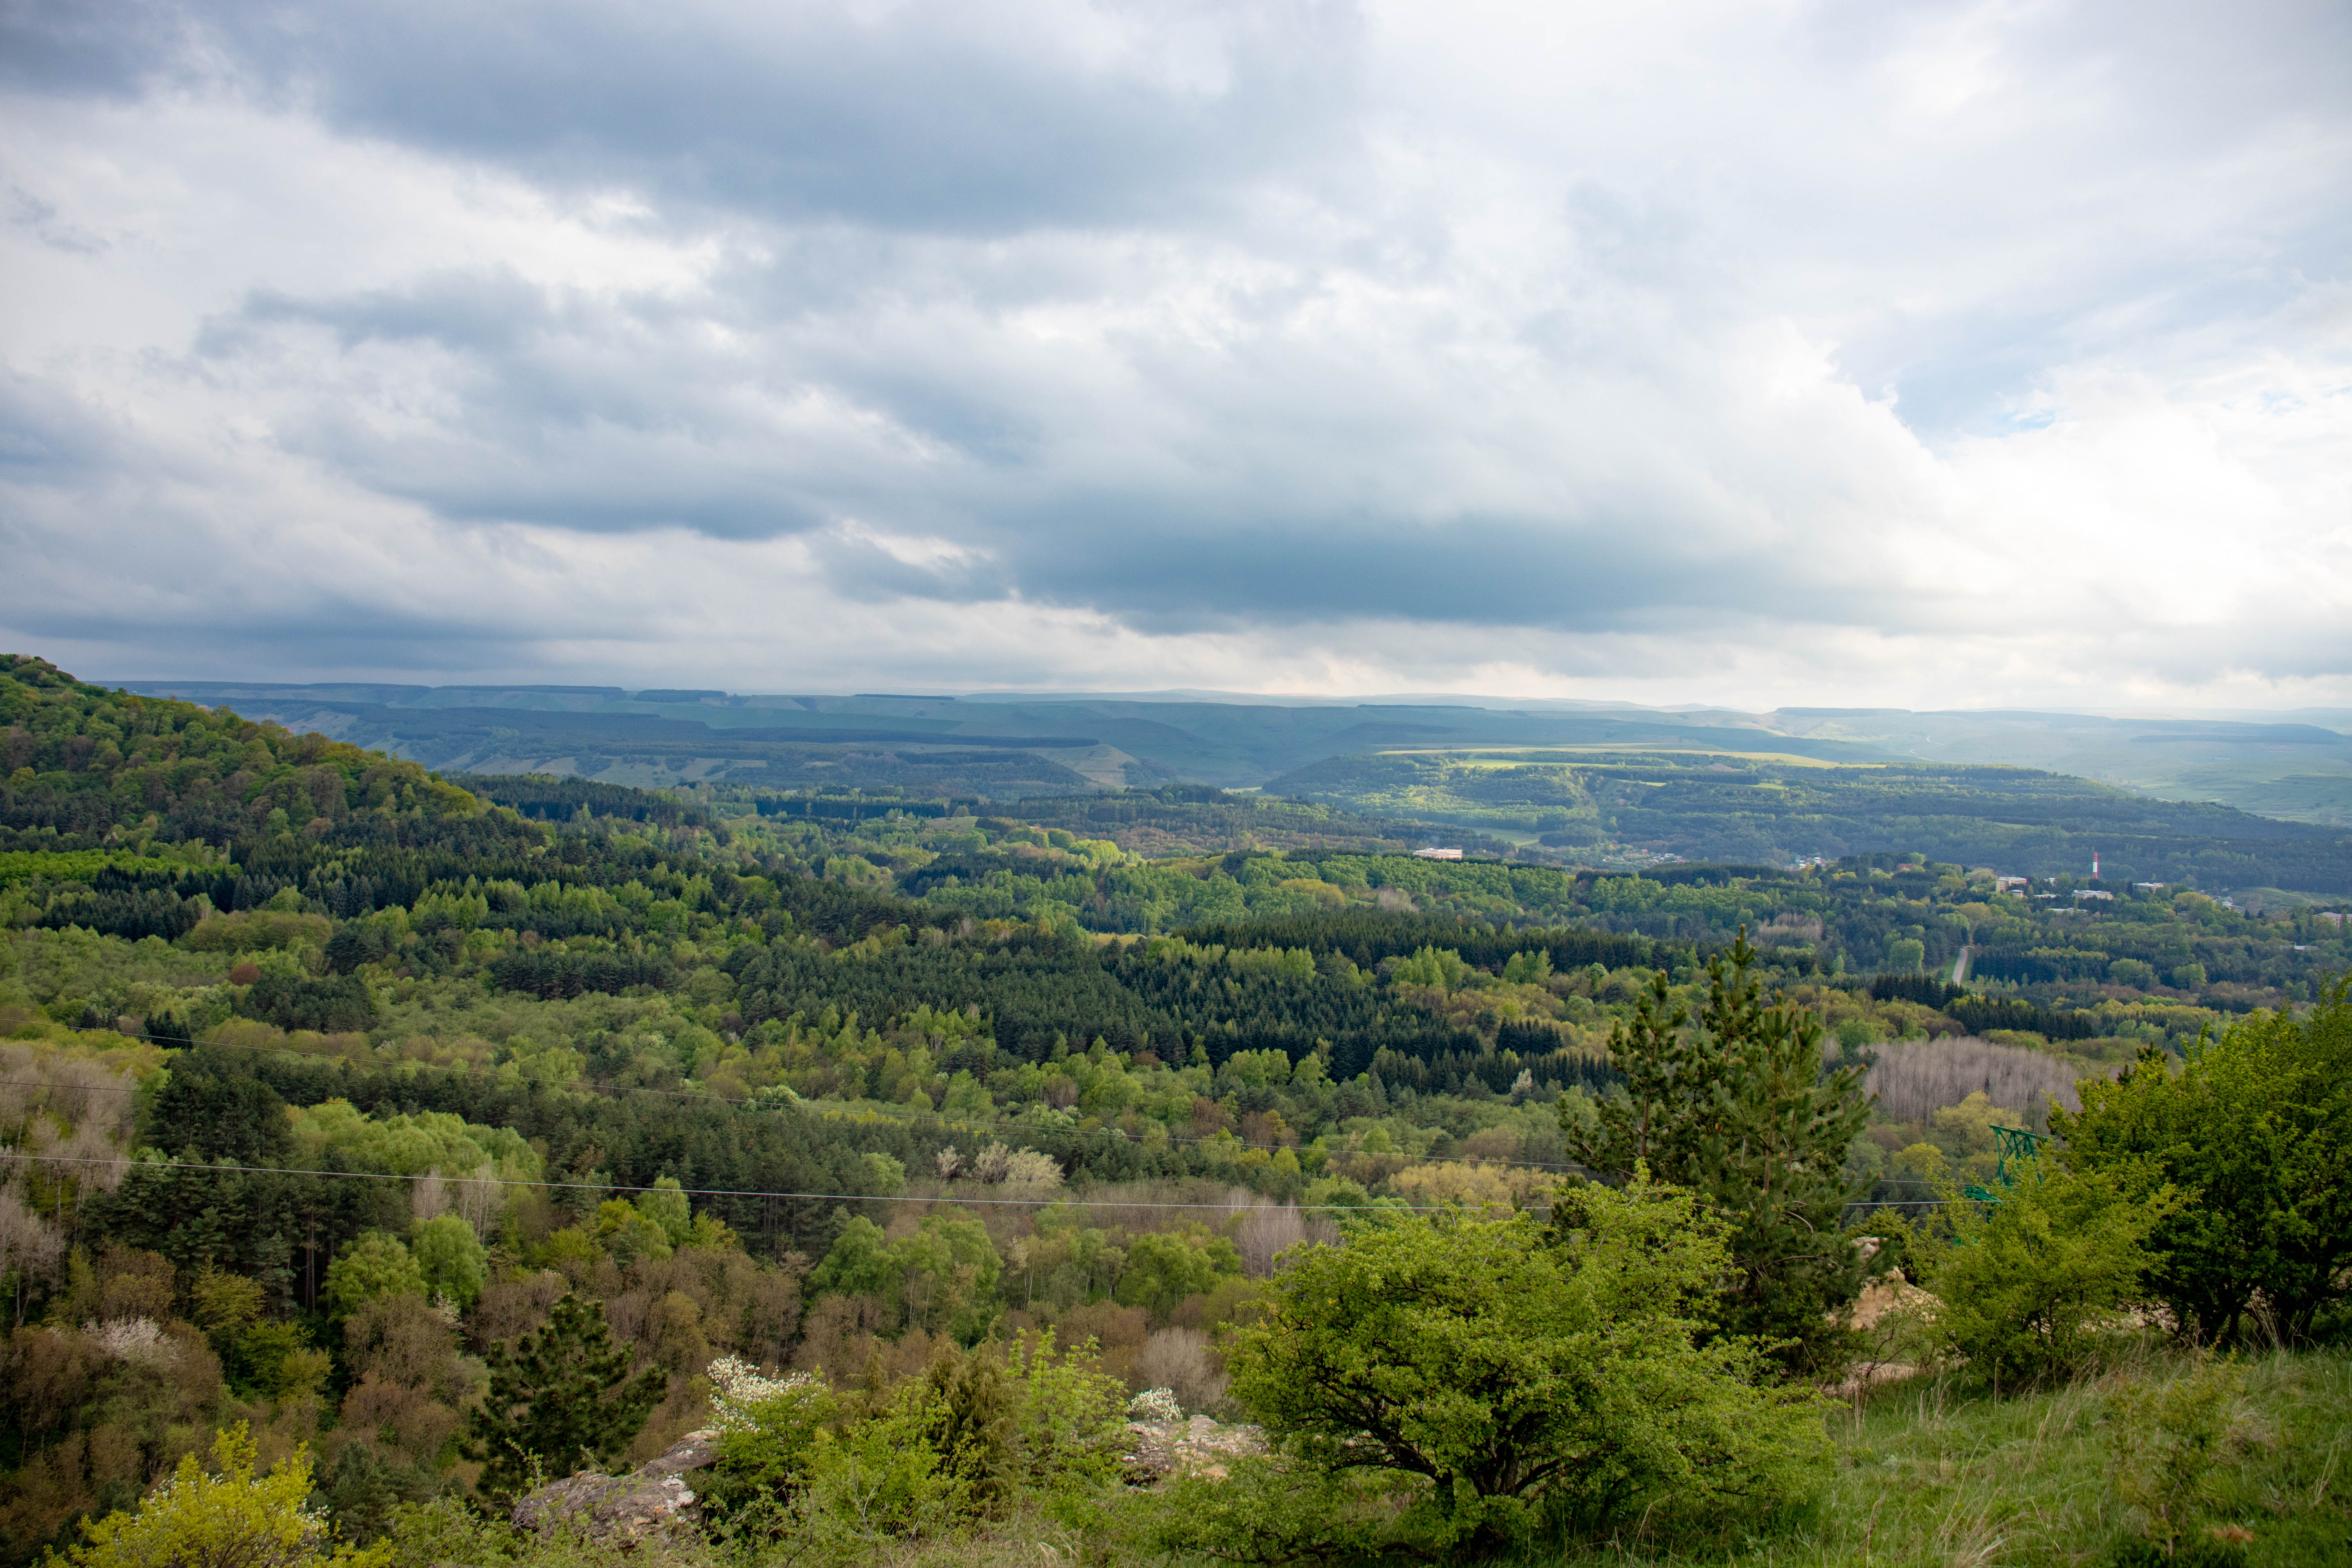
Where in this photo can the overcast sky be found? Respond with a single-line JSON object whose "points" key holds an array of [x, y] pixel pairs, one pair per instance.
{"points": [[1866, 352]]}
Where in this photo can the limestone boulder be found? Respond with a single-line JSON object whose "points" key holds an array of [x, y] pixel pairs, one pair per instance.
{"points": [[654, 1499]]}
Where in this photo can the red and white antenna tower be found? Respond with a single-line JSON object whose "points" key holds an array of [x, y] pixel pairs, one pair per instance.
{"points": [[2095, 865]]}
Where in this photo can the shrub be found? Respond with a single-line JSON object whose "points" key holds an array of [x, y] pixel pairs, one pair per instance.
{"points": [[1176, 1361], [2256, 1129], [874, 1483], [2166, 1440], [1272, 1510], [1159, 1404], [231, 1520], [767, 1427], [968, 1436], [1068, 1417], [2034, 1284], [1515, 1372]]}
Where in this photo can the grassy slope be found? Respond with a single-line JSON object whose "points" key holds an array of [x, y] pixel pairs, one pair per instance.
{"points": [[1929, 1477], [1926, 1478]]}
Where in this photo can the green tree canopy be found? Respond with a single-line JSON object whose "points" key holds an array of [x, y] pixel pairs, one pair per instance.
{"points": [[1521, 1371], [1738, 1110], [1163, 1268], [857, 1264], [450, 1258], [2256, 1128], [376, 1265], [666, 1206]]}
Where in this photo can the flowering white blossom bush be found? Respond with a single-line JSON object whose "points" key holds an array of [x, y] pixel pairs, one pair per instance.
{"points": [[1156, 1405], [133, 1339], [736, 1385], [995, 1164]]}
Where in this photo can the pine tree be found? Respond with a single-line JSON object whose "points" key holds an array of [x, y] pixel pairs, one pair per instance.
{"points": [[1739, 1109], [560, 1397]]}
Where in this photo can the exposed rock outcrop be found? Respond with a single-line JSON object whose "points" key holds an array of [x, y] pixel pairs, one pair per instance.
{"points": [[654, 1498], [1196, 1447]]}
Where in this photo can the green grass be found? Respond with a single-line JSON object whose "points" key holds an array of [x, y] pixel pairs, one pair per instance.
{"points": [[1926, 1474], [1929, 1474]]}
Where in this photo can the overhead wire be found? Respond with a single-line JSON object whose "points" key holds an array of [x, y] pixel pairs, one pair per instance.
{"points": [[608, 1090], [1042, 1201]]}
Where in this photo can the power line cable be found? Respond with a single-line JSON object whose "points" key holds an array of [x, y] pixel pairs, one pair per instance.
{"points": [[1382, 1206], [608, 1090], [1041, 1202]]}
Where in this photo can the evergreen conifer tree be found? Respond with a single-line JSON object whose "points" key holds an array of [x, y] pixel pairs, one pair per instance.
{"points": [[562, 1397], [1739, 1109]]}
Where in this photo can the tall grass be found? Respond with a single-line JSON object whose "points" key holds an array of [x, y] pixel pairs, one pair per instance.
{"points": [[1930, 1474]]}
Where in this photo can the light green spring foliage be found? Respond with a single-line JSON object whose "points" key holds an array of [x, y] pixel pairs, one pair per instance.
{"points": [[412, 1145], [1524, 1374], [258, 1356], [943, 1276], [628, 1233], [2168, 1438], [831, 1479], [1528, 968], [1165, 1266], [230, 1519], [2034, 1286], [451, 1259], [2258, 1125], [883, 1175], [666, 1206], [377, 1264], [1442, 968]]}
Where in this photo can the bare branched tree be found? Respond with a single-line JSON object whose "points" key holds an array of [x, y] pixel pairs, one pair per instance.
{"points": [[1914, 1080], [29, 1249], [1179, 1361]]}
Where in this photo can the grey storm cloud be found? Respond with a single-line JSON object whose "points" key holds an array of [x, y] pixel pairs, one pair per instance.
{"points": [[1768, 335]]}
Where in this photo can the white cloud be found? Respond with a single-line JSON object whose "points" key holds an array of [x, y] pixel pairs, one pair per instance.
{"points": [[1809, 353]]}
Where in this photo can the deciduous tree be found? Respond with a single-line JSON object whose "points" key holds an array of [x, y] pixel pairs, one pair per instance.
{"points": [[1519, 1370]]}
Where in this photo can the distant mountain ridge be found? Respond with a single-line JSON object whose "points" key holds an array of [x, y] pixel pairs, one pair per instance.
{"points": [[2290, 767]]}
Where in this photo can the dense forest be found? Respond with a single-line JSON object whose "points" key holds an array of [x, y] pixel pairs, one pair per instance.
{"points": [[1604, 807], [331, 1081]]}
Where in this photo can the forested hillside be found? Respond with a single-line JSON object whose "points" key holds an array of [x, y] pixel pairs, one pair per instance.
{"points": [[1605, 808], [330, 1083]]}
